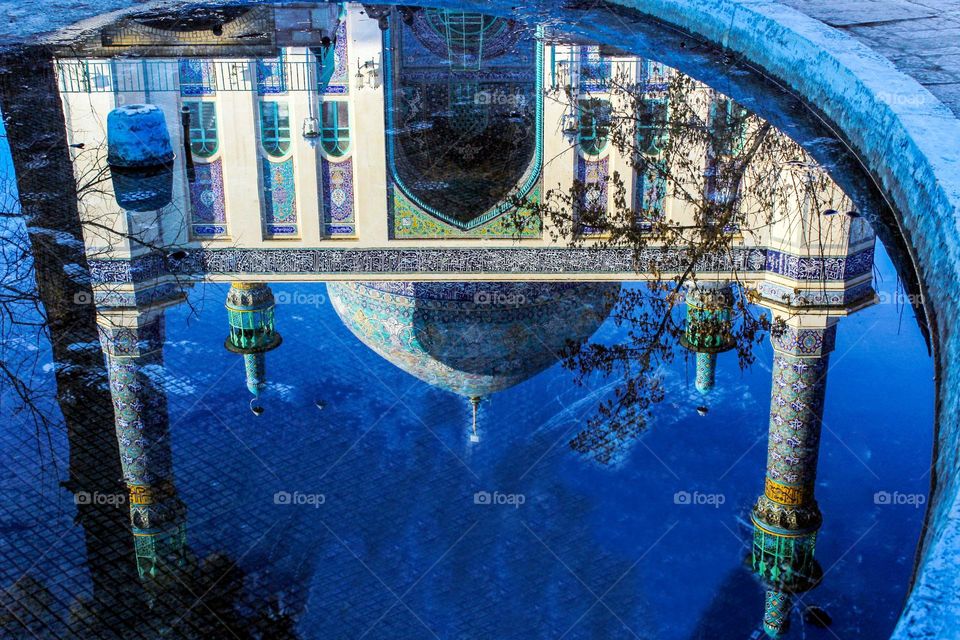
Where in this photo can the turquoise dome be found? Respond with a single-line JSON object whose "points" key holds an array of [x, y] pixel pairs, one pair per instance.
{"points": [[472, 338]]}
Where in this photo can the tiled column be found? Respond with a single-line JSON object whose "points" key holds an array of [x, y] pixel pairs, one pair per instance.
{"points": [[786, 517], [133, 345]]}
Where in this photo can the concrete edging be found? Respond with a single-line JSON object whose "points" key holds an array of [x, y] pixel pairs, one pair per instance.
{"points": [[910, 142]]}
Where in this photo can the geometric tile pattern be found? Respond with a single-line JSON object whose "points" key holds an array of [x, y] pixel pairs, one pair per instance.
{"points": [[338, 82], [804, 343], [336, 180], [410, 221], [473, 339], [207, 201], [592, 175], [197, 77], [796, 409], [280, 198], [805, 268]]}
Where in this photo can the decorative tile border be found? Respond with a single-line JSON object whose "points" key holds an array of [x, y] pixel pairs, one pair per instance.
{"points": [[814, 297], [452, 261], [824, 268], [408, 221], [122, 297], [417, 261]]}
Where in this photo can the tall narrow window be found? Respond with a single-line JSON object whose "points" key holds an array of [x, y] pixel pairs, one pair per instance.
{"points": [[203, 128], [594, 125], [728, 126], [654, 73], [653, 125], [335, 128], [275, 128]]}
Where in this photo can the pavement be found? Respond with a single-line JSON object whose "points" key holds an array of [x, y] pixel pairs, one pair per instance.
{"points": [[921, 37]]}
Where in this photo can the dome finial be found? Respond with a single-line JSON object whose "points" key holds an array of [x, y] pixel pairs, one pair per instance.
{"points": [[475, 403]]}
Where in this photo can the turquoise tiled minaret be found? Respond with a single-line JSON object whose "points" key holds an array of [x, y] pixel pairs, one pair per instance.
{"points": [[786, 517], [708, 328], [250, 311], [134, 360]]}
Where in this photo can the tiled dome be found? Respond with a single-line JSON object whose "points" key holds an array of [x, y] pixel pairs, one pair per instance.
{"points": [[472, 338]]}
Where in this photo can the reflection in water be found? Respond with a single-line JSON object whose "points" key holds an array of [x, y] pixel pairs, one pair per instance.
{"points": [[187, 597], [786, 517], [463, 96], [250, 311], [708, 329], [490, 150], [133, 352], [473, 339]]}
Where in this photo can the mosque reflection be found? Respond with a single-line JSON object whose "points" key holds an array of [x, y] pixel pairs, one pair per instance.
{"points": [[474, 340], [380, 170]]}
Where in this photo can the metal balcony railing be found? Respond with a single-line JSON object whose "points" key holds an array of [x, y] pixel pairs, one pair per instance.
{"points": [[191, 77]]}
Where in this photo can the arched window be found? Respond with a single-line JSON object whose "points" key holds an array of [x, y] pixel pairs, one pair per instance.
{"points": [[334, 127], [728, 126], [594, 125], [275, 128], [203, 128], [465, 34], [652, 125]]}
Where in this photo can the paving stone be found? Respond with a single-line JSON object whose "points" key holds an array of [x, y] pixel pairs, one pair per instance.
{"points": [[921, 37]]}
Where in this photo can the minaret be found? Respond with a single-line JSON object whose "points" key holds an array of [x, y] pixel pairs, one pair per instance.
{"points": [[708, 329], [250, 307], [786, 517], [133, 345]]}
